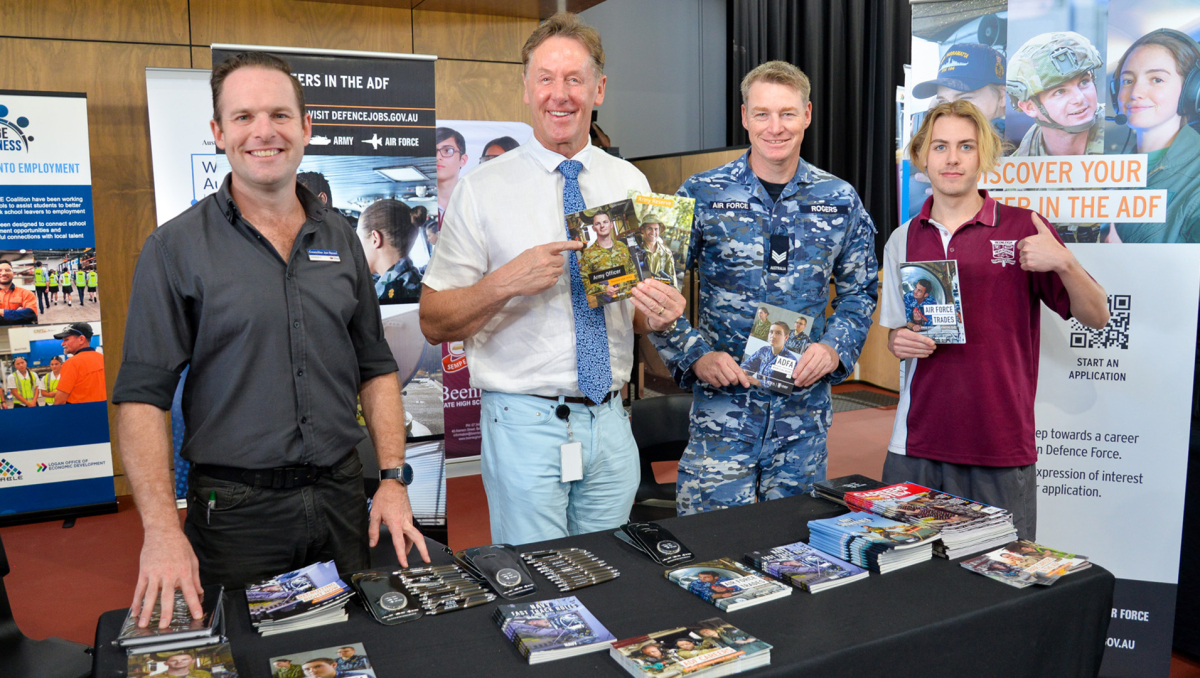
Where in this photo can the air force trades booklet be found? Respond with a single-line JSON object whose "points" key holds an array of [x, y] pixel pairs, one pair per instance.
{"points": [[642, 237], [933, 300]]}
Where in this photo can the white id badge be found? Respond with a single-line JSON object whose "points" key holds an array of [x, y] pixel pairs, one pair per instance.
{"points": [[572, 461]]}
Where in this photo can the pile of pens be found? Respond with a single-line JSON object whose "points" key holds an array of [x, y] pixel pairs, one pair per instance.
{"points": [[571, 569], [444, 588]]}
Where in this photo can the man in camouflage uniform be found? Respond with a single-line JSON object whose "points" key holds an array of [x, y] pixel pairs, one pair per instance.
{"points": [[605, 254], [746, 443], [659, 260], [1051, 78]]}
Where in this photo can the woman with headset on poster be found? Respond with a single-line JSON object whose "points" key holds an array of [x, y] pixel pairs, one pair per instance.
{"points": [[1155, 90]]}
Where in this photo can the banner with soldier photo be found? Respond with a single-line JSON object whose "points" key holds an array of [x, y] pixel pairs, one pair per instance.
{"points": [[55, 452], [1099, 103]]}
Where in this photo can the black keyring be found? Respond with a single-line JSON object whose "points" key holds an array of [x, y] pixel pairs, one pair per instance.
{"points": [[562, 412]]}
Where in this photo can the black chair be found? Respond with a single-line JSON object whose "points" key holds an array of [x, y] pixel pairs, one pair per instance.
{"points": [[21, 657], [660, 427]]}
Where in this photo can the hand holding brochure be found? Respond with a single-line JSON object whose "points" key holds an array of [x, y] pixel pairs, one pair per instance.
{"points": [[643, 237]]}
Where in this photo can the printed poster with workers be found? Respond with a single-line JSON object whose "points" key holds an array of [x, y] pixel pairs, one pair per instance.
{"points": [[55, 451], [1099, 106]]}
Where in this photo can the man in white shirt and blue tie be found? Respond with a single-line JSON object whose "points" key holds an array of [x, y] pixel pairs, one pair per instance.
{"points": [[558, 456]]}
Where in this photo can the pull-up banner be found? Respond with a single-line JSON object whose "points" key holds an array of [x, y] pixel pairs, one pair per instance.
{"points": [[1103, 139], [55, 456]]}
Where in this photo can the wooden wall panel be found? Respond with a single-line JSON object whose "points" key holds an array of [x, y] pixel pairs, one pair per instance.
{"points": [[480, 90], [702, 162], [662, 173], [159, 21], [114, 78], [201, 57], [876, 364], [470, 36], [288, 23]]}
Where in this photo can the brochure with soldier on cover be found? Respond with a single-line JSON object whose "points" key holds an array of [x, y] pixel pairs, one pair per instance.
{"points": [[625, 242], [777, 339], [933, 300], [665, 231]]}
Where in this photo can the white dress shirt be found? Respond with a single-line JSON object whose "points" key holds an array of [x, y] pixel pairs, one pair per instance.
{"points": [[497, 211]]}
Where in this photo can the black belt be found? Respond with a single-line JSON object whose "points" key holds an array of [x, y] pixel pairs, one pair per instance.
{"points": [[577, 400], [281, 478]]}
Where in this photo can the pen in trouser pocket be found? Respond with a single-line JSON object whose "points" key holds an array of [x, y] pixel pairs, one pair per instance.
{"points": [[212, 503]]}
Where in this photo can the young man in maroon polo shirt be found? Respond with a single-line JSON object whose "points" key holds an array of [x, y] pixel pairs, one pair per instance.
{"points": [[965, 420]]}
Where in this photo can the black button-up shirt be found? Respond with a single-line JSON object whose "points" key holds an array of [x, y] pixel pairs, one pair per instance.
{"points": [[277, 348]]}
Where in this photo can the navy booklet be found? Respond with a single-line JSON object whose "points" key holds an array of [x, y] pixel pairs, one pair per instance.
{"points": [[552, 629]]}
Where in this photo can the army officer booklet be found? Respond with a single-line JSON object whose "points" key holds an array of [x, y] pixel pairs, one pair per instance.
{"points": [[643, 237]]}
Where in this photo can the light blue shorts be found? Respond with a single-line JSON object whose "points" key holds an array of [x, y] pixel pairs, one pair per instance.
{"points": [[520, 465]]}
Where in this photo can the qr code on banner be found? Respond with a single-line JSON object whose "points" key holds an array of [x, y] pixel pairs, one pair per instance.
{"points": [[1113, 335]]}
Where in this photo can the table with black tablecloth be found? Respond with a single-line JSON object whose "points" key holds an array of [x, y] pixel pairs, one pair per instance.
{"points": [[930, 619]]}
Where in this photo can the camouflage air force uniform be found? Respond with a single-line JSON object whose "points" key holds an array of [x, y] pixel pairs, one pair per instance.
{"points": [[596, 258], [751, 443]]}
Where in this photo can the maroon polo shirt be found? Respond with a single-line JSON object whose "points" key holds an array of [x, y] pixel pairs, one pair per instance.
{"points": [[972, 403]]}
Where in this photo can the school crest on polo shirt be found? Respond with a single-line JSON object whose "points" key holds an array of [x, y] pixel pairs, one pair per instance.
{"points": [[1004, 252]]}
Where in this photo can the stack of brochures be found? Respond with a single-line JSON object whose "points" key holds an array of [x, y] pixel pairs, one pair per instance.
{"points": [[727, 584], [805, 567], [215, 661], [965, 526], [182, 631], [710, 648], [835, 489], [312, 596], [552, 629], [874, 542], [1023, 563]]}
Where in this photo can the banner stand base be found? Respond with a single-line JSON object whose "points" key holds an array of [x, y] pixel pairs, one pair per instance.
{"points": [[58, 514]]}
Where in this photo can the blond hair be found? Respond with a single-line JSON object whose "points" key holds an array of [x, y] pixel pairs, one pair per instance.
{"points": [[565, 25], [779, 73], [991, 147]]}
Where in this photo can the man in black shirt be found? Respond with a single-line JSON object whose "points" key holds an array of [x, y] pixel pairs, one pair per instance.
{"points": [[252, 288]]}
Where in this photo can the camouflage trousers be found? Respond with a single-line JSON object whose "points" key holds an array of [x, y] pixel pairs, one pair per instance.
{"points": [[766, 457]]}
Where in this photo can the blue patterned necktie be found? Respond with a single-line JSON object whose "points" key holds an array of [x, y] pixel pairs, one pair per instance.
{"points": [[591, 334]]}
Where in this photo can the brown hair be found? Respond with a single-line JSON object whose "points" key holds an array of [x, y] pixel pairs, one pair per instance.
{"points": [[393, 219], [1184, 54], [247, 60], [565, 25], [779, 73], [990, 145]]}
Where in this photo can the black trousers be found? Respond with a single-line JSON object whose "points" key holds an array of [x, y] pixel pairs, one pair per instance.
{"points": [[254, 533]]}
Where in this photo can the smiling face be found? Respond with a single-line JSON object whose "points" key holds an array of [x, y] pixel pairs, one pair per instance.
{"points": [[561, 88], [952, 159], [775, 116], [261, 129], [1150, 88], [602, 225], [650, 235], [55, 365], [6, 273], [1070, 103]]}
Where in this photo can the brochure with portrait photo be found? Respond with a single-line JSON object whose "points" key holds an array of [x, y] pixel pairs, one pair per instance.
{"points": [[607, 263], [777, 339], [664, 233], [933, 300], [348, 660]]}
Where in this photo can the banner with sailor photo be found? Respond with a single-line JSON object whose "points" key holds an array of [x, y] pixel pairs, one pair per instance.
{"points": [[55, 451], [1099, 102]]}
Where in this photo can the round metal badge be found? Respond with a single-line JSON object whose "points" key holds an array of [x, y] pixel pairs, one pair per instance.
{"points": [[393, 601], [508, 577], [668, 547]]}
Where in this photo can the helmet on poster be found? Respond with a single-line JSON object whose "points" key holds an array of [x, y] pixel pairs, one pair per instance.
{"points": [[1046, 61]]}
